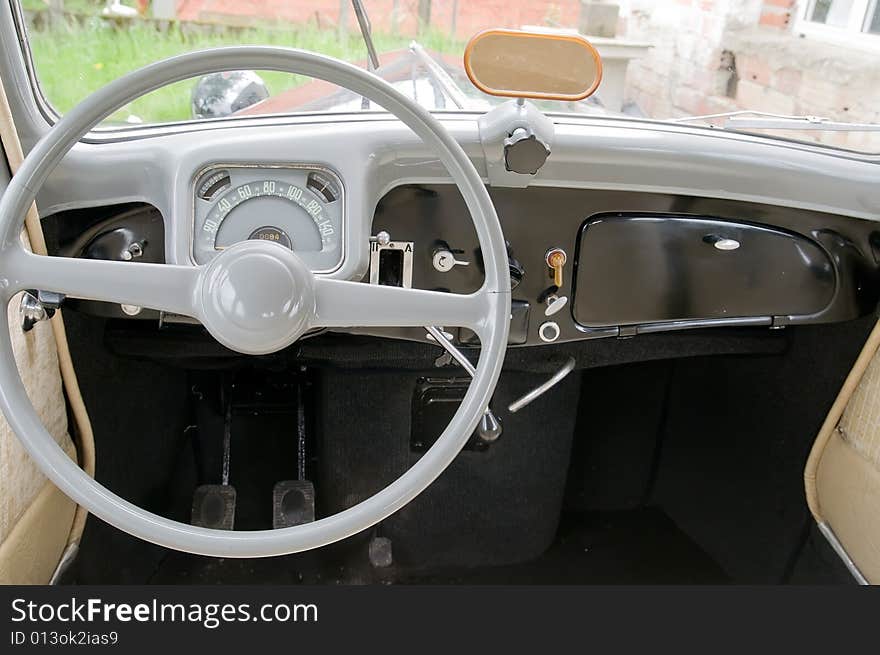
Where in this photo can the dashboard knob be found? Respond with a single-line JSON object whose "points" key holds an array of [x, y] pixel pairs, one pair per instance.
{"points": [[524, 152], [489, 428]]}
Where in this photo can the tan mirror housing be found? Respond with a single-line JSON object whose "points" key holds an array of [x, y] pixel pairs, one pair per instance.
{"points": [[539, 65]]}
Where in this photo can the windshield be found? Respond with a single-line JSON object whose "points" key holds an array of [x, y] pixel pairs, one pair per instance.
{"points": [[663, 59]]}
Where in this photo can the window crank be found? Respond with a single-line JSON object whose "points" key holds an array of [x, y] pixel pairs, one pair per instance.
{"points": [[489, 428]]}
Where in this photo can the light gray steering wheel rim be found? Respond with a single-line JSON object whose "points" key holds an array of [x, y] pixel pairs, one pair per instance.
{"points": [[98, 500]]}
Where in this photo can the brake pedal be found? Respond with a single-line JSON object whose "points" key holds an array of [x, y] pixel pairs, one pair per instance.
{"points": [[293, 503], [214, 506]]}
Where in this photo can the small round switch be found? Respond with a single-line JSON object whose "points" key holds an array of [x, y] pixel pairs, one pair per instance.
{"points": [[549, 331]]}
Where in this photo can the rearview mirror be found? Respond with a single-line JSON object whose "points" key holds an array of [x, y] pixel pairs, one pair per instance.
{"points": [[537, 65]]}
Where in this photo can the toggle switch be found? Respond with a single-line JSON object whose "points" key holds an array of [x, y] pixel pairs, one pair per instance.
{"points": [[556, 259], [554, 304]]}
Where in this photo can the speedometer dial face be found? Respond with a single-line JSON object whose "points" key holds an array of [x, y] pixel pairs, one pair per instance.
{"points": [[300, 208]]}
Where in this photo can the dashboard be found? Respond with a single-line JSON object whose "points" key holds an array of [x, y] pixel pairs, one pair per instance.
{"points": [[650, 228], [638, 263], [584, 264]]}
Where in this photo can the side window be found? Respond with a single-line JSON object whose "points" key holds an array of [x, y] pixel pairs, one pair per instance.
{"points": [[855, 16]]}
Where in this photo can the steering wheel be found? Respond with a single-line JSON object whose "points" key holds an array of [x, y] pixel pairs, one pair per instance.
{"points": [[254, 297]]}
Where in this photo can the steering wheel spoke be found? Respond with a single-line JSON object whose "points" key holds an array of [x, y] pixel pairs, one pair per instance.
{"points": [[354, 304], [153, 286]]}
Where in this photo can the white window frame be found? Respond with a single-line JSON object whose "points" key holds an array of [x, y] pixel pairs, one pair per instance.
{"points": [[852, 34]]}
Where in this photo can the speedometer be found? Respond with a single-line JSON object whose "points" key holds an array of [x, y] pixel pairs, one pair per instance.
{"points": [[298, 207]]}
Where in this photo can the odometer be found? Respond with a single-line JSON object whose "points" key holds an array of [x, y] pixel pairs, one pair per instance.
{"points": [[269, 233]]}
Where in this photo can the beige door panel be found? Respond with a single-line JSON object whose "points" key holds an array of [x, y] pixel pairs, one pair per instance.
{"points": [[35, 519], [32, 549], [842, 477], [37, 522]]}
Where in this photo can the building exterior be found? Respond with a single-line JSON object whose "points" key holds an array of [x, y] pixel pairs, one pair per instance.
{"points": [[815, 57], [790, 57]]}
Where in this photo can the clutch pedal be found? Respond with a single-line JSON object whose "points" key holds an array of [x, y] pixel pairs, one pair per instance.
{"points": [[214, 504]]}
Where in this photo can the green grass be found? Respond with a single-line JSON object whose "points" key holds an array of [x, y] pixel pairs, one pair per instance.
{"points": [[73, 60], [80, 6]]}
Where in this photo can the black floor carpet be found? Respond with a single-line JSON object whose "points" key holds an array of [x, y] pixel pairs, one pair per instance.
{"points": [[635, 547]]}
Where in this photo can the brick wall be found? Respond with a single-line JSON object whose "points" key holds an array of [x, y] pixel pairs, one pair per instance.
{"points": [[713, 56], [470, 16], [708, 56], [777, 13]]}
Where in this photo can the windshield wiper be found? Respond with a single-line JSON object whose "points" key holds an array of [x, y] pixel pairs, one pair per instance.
{"points": [[761, 120], [367, 32], [440, 76]]}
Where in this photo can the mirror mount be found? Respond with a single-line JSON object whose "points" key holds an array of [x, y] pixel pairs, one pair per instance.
{"points": [[516, 139]]}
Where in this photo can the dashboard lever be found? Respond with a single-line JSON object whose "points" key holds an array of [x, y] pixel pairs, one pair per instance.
{"points": [[554, 304], [540, 390], [556, 259], [489, 428]]}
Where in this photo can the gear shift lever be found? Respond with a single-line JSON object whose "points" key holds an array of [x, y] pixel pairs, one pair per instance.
{"points": [[489, 428]]}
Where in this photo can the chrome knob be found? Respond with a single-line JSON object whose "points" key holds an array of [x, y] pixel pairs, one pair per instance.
{"points": [[444, 260], [489, 428]]}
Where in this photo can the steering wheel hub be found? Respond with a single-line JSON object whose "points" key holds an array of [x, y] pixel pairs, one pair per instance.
{"points": [[257, 297]]}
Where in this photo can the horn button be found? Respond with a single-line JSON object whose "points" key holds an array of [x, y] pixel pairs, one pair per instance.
{"points": [[257, 297]]}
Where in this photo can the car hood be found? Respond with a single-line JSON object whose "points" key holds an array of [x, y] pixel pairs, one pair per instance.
{"points": [[437, 82]]}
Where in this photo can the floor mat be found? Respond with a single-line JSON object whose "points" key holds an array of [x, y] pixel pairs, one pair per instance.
{"points": [[636, 547]]}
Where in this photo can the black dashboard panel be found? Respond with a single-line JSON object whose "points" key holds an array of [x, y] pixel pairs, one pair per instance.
{"points": [[643, 269], [838, 280], [635, 262]]}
